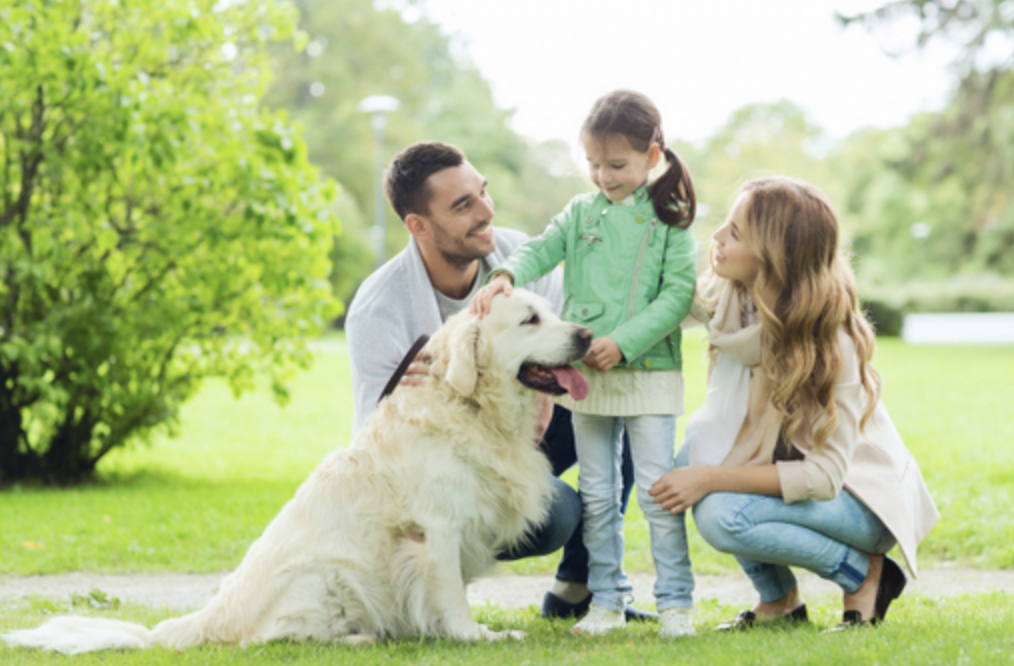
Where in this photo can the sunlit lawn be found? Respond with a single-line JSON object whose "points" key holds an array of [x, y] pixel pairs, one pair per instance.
{"points": [[962, 630], [195, 503]]}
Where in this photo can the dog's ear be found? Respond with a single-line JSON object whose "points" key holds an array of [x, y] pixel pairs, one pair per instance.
{"points": [[466, 351]]}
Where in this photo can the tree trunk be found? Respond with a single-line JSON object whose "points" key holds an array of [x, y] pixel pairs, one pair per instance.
{"points": [[66, 461], [16, 459]]}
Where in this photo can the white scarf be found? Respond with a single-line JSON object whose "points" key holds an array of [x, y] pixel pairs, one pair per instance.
{"points": [[737, 412]]}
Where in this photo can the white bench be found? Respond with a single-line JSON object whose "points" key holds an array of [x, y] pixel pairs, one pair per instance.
{"points": [[975, 328]]}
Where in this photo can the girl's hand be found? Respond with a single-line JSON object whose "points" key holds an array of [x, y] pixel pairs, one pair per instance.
{"points": [[681, 488], [603, 355], [501, 284]]}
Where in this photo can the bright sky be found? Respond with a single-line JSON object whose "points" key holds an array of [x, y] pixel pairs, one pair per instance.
{"points": [[699, 60]]}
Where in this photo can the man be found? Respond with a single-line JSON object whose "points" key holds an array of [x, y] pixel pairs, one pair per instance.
{"points": [[443, 201]]}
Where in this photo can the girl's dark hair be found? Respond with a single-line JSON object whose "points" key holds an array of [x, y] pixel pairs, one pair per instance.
{"points": [[634, 116]]}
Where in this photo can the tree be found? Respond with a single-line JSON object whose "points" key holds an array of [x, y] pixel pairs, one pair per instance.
{"points": [[954, 175], [157, 225], [980, 30], [355, 50], [757, 139]]}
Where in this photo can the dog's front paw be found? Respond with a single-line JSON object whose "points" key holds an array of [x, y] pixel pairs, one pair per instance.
{"points": [[490, 635], [358, 640]]}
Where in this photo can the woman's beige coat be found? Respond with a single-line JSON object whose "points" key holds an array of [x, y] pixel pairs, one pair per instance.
{"points": [[872, 463]]}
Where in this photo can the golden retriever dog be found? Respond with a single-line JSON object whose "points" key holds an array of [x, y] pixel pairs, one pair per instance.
{"points": [[383, 537]]}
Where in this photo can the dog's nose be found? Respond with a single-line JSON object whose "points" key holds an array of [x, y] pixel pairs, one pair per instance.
{"points": [[584, 334]]}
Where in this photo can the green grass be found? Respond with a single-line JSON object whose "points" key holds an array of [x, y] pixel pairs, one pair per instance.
{"points": [[953, 408], [195, 503], [189, 504], [958, 630]]}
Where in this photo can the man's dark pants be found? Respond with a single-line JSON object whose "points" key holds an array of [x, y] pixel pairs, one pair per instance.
{"points": [[563, 527]]}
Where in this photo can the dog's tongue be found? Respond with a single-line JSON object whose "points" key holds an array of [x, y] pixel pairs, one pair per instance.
{"points": [[572, 380]]}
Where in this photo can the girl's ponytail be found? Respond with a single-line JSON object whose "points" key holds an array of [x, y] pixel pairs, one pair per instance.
{"points": [[673, 193]]}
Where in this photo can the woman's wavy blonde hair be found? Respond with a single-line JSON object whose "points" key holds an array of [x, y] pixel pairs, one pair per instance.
{"points": [[805, 292]]}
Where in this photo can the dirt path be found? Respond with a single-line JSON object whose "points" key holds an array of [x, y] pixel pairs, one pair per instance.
{"points": [[191, 591]]}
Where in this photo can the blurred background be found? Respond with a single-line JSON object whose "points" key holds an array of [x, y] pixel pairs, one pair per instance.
{"points": [[188, 188], [903, 112]]}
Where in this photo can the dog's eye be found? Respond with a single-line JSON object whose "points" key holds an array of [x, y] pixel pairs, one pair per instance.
{"points": [[531, 321]]}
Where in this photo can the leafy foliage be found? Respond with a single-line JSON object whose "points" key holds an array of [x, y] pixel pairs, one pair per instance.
{"points": [[756, 140], [979, 29], [156, 227], [358, 48], [947, 173]]}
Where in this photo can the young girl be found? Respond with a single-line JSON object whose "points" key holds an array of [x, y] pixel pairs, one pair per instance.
{"points": [[794, 459], [629, 274]]}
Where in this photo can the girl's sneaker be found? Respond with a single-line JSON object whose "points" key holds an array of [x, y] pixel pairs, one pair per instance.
{"points": [[599, 621], [676, 623]]}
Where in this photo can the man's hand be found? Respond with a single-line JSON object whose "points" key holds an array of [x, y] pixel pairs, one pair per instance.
{"points": [[503, 283], [417, 371], [543, 416], [603, 355]]}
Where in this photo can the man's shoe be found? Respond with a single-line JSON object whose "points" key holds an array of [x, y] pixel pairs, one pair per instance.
{"points": [[635, 615], [553, 607]]}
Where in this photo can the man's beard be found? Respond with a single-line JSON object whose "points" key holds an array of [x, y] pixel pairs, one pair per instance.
{"points": [[455, 252], [459, 259]]}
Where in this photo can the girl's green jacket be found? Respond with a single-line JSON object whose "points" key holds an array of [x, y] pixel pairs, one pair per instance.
{"points": [[627, 275]]}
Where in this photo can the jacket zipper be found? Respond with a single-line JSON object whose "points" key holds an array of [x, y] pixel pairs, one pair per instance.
{"points": [[637, 267]]}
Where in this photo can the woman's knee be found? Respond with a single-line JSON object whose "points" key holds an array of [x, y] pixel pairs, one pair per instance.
{"points": [[717, 518]]}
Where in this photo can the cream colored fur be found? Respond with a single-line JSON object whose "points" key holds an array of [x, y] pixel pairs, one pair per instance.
{"points": [[383, 537]]}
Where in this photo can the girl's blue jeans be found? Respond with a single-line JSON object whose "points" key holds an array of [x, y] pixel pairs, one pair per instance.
{"points": [[833, 539], [563, 525], [599, 440]]}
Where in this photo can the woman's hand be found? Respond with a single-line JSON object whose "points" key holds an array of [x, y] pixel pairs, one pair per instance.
{"points": [[682, 488], [603, 354], [502, 283]]}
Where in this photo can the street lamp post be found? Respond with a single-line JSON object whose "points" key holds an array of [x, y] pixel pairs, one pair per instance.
{"points": [[378, 106]]}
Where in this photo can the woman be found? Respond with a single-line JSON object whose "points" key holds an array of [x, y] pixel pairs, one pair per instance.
{"points": [[793, 458]]}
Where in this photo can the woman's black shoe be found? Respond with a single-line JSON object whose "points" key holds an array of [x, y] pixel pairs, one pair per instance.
{"points": [[747, 619], [892, 583], [850, 619]]}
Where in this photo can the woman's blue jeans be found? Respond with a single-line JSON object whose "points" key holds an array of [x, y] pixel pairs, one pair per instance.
{"points": [[833, 539]]}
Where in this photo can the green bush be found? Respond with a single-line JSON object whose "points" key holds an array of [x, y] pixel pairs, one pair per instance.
{"points": [[885, 316], [887, 306], [157, 226]]}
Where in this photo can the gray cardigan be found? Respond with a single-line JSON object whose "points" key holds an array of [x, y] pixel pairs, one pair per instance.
{"points": [[396, 304]]}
